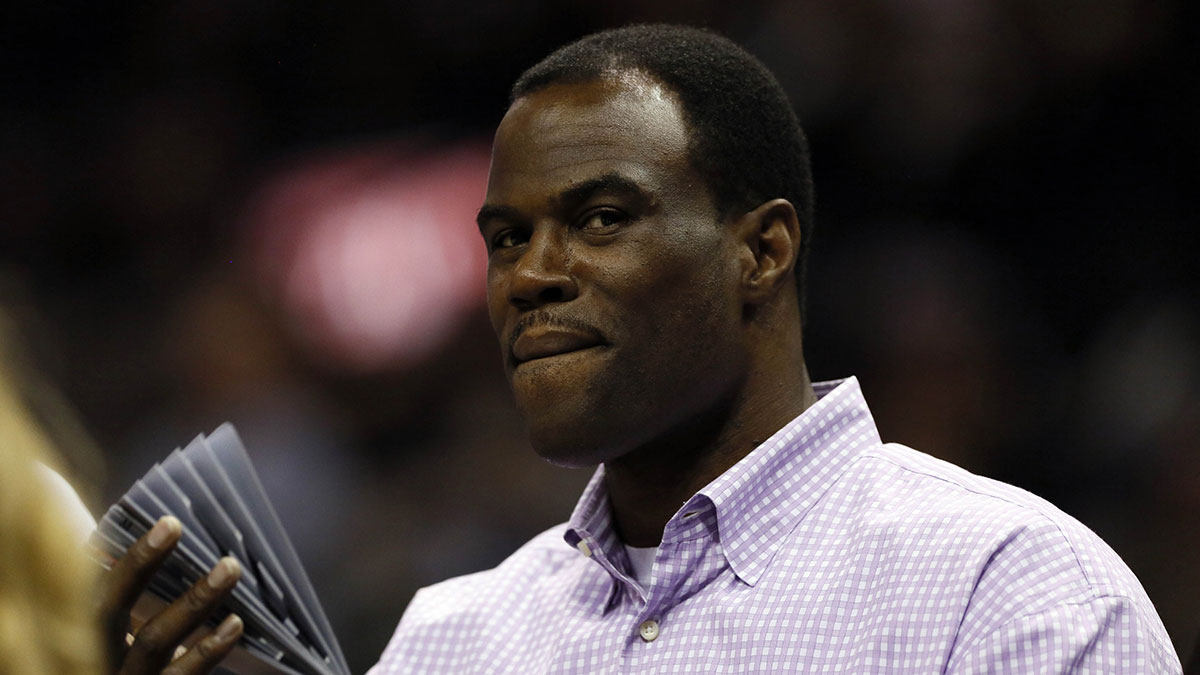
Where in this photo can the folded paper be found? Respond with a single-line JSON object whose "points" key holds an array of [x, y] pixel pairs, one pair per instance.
{"points": [[211, 487]]}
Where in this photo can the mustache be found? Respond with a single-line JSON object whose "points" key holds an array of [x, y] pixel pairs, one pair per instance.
{"points": [[546, 318]]}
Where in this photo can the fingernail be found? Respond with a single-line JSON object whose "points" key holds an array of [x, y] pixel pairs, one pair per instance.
{"points": [[231, 626], [226, 570], [163, 530], [179, 652]]}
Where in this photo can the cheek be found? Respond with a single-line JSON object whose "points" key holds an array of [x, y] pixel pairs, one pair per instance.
{"points": [[497, 300], [689, 277], [678, 293]]}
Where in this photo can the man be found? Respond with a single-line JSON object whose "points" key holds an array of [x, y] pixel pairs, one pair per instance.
{"points": [[647, 217]]}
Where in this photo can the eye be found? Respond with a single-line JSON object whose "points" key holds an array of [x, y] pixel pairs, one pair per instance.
{"points": [[508, 238], [602, 220]]}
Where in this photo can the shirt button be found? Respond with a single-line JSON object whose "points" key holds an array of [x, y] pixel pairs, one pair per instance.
{"points": [[649, 630], [584, 548]]}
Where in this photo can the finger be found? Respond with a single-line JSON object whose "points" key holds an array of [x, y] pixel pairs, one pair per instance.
{"points": [[132, 571], [131, 574], [207, 653], [156, 641]]}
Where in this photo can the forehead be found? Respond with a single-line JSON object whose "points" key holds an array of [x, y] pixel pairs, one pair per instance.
{"points": [[626, 124]]}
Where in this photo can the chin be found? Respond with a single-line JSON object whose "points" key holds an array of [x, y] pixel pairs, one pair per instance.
{"points": [[570, 443], [562, 414]]}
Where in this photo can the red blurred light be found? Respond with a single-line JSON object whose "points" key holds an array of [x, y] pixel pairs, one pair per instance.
{"points": [[373, 253]]}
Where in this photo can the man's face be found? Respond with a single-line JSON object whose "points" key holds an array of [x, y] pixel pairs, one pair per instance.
{"points": [[611, 278]]}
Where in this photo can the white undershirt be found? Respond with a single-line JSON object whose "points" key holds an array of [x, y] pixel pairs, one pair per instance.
{"points": [[641, 560]]}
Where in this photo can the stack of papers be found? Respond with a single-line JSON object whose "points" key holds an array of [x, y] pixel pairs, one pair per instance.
{"points": [[211, 487]]}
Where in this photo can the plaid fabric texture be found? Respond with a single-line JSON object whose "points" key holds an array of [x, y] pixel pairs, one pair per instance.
{"points": [[823, 551]]}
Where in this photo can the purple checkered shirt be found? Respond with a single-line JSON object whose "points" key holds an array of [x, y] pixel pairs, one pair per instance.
{"points": [[823, 551]]}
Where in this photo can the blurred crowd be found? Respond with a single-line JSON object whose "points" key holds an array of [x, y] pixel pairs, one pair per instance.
{"points": [[261, 212]]}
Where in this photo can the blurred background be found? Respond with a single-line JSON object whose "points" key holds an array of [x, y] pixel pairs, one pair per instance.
{"points": [[262, 212]]}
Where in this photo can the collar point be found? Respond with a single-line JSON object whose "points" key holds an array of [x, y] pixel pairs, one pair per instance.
{"points": [[749, 579], [746, 573]]}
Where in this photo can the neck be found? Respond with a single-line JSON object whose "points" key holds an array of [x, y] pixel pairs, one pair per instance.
{"points": [[648, 485]]}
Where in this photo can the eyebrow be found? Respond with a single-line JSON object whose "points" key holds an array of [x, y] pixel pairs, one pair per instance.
{"points": [[611, 182], [489, 212]]}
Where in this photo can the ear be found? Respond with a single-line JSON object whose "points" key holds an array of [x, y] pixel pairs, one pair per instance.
{"points": [[770, 240]]}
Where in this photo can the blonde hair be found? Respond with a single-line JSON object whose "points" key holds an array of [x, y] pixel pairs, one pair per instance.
{"points": [[47, 625]]}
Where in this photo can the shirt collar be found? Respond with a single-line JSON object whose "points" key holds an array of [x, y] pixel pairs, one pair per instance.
{"points": [[593, 516], [762, 498]]}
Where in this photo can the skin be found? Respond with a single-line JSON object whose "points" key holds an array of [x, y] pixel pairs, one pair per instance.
{"points": [[155, 649], [668, 334], [639, 327]]}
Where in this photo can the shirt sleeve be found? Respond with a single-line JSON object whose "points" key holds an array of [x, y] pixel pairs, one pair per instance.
{"points": [[1103, 635]]}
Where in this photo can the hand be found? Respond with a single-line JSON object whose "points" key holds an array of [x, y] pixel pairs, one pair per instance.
{"points": [[153, 649]]}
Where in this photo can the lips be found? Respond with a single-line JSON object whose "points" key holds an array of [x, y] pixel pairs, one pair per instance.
{"points": [[543, 341]]}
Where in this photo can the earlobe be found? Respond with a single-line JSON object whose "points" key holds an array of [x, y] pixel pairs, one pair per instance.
{"points": [[771, 242]]}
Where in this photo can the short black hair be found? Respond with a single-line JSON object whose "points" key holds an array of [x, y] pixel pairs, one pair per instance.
{"points": [[746, 140]]}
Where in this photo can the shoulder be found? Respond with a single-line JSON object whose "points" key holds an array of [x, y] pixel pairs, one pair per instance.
{"points": [[445, 618], [997, 526], [538, 561], [1018, 558], [1011, 526]]}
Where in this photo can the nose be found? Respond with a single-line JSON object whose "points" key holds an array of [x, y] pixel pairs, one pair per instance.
{"points": [[542, 275]]}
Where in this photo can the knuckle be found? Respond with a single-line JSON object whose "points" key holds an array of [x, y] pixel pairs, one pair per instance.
{"points": [[140, 555], [151, 637], [207, 650], [199, 597], [203, 655], [126, 577]]}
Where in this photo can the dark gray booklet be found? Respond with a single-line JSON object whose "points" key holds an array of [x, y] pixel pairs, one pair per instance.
{"points": [[211, 487]]}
